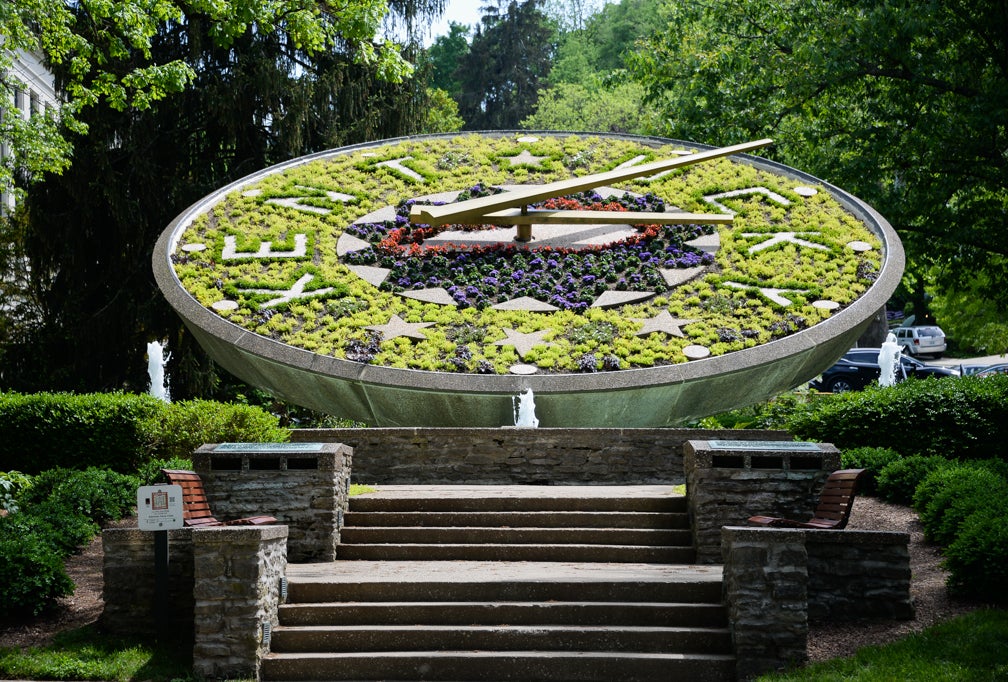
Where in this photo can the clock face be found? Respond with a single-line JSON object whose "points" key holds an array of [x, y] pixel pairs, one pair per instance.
{"points": [[322, 256]]}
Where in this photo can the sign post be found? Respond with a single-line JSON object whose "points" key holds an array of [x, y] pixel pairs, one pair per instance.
{"points": [[159, 509]]}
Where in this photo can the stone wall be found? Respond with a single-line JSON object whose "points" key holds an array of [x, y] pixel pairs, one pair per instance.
{"points": [[129, 583], [527, 456], [304, 485], [858, 574], [224, 585], [729, 481], [237, 573], [777, 580]]}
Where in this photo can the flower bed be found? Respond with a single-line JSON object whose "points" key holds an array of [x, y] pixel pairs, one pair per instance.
{"points": [[317, 257]]}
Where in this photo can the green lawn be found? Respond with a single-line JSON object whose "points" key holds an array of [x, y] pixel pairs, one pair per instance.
{"points": [[971, 648]]}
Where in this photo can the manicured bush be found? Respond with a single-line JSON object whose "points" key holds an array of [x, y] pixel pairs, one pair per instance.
{"points": [[898, 480], [48, 430], [977, 559], [178, 431], [118, 431], [963, 418], [949, 495], [150, 472], [872, 460]]}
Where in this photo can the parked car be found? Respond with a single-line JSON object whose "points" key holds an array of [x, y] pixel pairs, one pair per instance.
{"points": [[859, 367], [991, 370], [921, 340]]}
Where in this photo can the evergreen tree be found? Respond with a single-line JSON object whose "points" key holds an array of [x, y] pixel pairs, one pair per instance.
{"points": [[510, 55]]}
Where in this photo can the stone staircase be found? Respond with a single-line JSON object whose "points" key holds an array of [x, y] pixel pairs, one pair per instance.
{"points": [[511, 583]]}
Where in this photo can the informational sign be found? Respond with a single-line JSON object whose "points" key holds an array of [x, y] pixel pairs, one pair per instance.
{"points": [[159, 507], [269, 447], [790, 446]]}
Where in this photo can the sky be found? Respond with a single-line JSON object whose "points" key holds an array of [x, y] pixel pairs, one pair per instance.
{"points": [[465, 12]]}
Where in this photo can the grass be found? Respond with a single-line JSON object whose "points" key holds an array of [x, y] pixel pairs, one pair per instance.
{"points": [[87, 654], [970, 648], [361, 489]]}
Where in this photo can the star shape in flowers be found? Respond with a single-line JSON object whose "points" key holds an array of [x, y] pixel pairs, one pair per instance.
{"points": [[396, 327], [523, 342], [662, 323]]}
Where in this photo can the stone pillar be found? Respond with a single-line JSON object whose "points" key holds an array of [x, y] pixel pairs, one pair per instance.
{"points": [[729, 481], [238, 572], [765, 590], [129, 583], [304, 485]]}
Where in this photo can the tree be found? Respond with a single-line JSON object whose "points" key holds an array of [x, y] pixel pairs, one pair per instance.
{"points": [[103, 52], [902, 103], [510, 54], [444, 55], [573, 106], [87, 235]]}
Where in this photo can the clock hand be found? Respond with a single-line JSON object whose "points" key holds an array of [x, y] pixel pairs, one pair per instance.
{"points": [[474, 211]]}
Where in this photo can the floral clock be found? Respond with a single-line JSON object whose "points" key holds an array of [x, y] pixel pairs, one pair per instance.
{"points": [[626, 281]]}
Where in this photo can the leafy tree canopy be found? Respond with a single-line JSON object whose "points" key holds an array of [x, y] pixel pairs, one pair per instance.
{"points": [[903, 103], [445, 54], [103, 49]]}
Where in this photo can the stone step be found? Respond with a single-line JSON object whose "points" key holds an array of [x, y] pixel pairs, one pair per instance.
{"points": [[546, 637], [518, 552], [592, 500], [468, 535], [501, 581], [668, 614], [493, 665], [519, 519]]}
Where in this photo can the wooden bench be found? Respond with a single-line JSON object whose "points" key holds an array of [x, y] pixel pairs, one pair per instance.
{"points": [[196, 508], [834, 508]]}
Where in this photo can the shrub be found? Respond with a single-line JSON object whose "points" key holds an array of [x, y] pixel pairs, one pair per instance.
{"points": [[949, 495], [47, 430], [965, 418], [150, 472], [12, 484], [898, 480], [97, 494], [978, 558], [872, 460], [32, 576], [117, 431], [178, 431]]}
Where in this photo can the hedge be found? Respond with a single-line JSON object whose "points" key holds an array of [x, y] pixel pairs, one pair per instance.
{"points": [[118, 431], [964, 418]]}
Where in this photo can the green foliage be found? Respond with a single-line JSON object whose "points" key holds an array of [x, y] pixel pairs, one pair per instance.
{"points": [[45, 430], [970, 648], [872, 460], [964, 418], [98, 494], [150, 472], [898, 480], [971, 312], [951, 494], [186, 425], [574, 106], [445, 56], [977, 559], [12, 484], [32, 576], [898, 103], [119, 431], [442, 113], [509, 56], [104, 53]]}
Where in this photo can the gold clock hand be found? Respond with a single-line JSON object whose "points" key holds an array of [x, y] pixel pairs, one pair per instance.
{"points": [[473, 211]]}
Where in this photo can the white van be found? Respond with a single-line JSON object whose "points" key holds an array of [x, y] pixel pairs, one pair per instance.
{"points": [[921, 340]]}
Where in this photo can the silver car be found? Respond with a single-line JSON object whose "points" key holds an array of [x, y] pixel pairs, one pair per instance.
{"points": [[921, 340]]}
